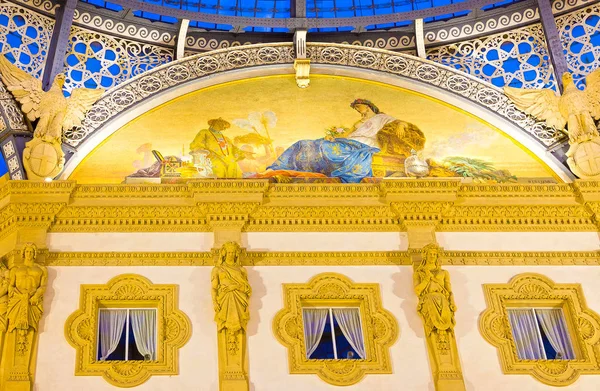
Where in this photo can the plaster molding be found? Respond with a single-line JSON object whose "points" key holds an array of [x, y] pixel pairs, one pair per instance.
{"points": [[260, 206], [125, 291], [380, 329], [324, 258], [535, 290]]}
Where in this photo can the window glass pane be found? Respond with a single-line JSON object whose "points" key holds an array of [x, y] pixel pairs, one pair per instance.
{"points": [[554, 333], [133, 353], [526, 334], [325, 348], [344, 349], [111, 338], [143, 333]]}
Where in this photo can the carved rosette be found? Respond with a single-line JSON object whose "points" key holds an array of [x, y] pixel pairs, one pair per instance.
{"points": [[126, 291], [535, 290], [380, 329]]}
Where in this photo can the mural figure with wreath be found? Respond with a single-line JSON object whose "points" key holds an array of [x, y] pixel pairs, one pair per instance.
{"points": [[43, 156]]}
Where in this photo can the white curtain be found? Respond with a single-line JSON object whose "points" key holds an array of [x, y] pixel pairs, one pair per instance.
{"points": [[553, 324], [349, 321], [112, 323], [314, 324], [526, 334], [143, 324]]}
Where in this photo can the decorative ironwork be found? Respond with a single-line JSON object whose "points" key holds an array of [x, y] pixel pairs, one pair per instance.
{"points": [[170, 75], [518, 58], [579, 33], [24, 37], [98, 60]]}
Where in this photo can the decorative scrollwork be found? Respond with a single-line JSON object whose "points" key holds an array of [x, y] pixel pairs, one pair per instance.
{"points": [[518, 58], [121, 292], [332, 55], [178, 73], [237, 58], [331, 289], [30, 35], [531, 290], [268, 54], [98, 60]]}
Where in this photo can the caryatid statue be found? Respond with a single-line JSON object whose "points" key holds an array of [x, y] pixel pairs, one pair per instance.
{"points": [[4, 279], [436, 307], [436, 302], [231, 299], [26, 287]]}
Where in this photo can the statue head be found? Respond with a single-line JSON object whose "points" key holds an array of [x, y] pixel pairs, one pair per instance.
{"points": [[361, 105], [230, 253], [567, 78], [29, 253], [430, 259], [218, 124]]}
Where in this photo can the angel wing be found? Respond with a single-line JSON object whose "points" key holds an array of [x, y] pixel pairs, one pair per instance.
{"points": [[592, 92], [24, 87], [542, 104], [81, 100]]}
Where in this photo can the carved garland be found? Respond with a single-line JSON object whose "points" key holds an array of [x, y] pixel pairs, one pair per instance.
{"points": [[535, 290], [380, 329], [124, 291]]}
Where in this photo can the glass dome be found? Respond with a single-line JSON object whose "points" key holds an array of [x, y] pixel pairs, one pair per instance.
{"points": [[282, 9]]}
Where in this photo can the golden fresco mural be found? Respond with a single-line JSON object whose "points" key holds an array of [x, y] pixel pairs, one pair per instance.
{"points": [[338, 130]]}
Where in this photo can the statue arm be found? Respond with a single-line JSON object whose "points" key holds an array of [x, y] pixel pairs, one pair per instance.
{"points": [[4, 287], [12, 282], [448, 288], [42, 288], [420, 282], [214, 281], [248, 288]]}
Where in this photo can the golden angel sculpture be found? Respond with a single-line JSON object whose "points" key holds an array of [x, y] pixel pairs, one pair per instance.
{"points": [[575, 108], [43, 156]]}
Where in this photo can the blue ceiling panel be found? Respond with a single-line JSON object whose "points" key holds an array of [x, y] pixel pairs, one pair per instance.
{"points": [[281, 9]]}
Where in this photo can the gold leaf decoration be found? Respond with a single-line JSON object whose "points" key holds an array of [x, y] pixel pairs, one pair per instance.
{"points": [[126, 291], [530, 290], [335, 290]]}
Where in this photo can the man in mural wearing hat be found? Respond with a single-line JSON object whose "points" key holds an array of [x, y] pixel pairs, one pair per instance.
{"points": [[222, 152]]}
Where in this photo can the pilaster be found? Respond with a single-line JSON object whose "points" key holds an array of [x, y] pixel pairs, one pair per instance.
{"points": [[431, 283]]}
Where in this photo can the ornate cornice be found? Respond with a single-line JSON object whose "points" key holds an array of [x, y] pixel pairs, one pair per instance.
{"points": [[324, 258], [258, 205]]}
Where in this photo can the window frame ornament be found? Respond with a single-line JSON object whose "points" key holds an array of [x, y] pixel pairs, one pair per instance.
{"points": [[128, 291], [532, 290], [333, 290]]}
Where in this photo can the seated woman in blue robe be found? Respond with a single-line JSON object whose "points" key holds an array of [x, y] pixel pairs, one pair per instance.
{"points": [[348, 156]]}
